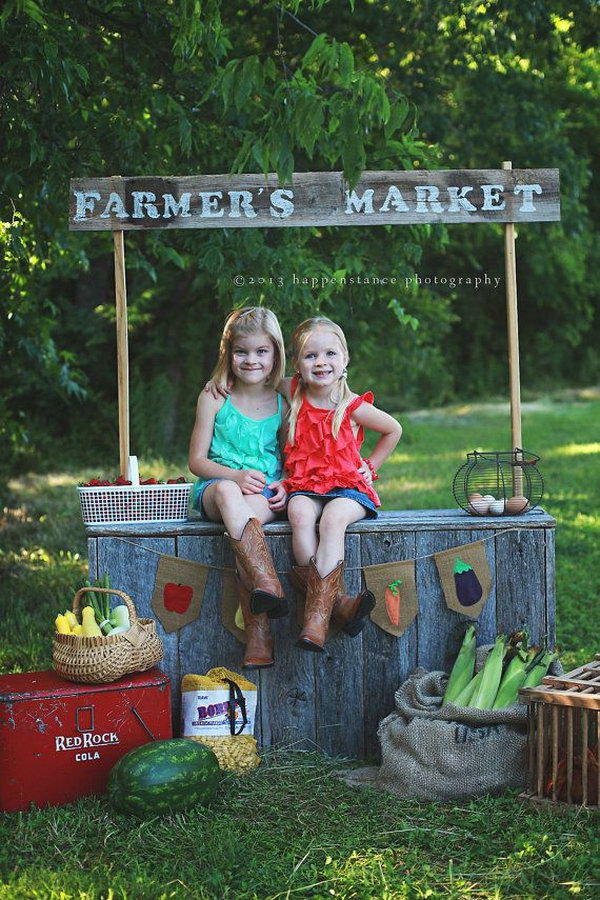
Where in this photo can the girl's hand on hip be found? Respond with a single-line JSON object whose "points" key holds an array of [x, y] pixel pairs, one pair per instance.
{"points": [[279, 498], [250, 481], [365, 471]]}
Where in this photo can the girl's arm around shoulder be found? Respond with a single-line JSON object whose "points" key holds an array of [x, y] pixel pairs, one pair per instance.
{"points": [[285, 389], [388, 427]]}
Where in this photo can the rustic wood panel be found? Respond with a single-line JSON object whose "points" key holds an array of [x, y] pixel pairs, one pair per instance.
{"points": [[132, 565], [387, 659], [521, 582], [335, 700], [314, 198], [339, 689], [203, 644], [440, 630]]}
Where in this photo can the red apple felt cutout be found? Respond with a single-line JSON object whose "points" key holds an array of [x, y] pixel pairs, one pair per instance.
{"points": [[177, 597]]}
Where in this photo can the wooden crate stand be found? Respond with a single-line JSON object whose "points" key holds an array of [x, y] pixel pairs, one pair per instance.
{"points": [[334, 701], [564, 739]]}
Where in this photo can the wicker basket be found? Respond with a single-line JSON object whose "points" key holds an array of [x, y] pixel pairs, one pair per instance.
{"points": [[135, 503], [96, 660]]}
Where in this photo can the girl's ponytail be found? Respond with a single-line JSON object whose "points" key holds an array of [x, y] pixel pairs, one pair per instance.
{"points": [[342, 397], [295, 404]]}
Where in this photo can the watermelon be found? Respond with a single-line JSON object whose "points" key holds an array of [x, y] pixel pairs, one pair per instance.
{"points": [[164, 776]]}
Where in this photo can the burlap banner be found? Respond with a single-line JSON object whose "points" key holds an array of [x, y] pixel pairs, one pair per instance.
{"points": [[395, 590], [178, 591], [466, 578]]}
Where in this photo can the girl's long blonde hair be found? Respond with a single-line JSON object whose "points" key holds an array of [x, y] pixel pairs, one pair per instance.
{"points": [[341, 394], [241, 323]]}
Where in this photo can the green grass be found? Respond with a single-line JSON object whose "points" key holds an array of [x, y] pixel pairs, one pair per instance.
{"points": [[293, 829]]}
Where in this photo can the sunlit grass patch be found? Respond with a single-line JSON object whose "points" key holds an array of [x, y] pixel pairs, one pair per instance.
{"points": [[574, 450]]}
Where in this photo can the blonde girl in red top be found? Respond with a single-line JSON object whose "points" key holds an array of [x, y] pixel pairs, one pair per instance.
{"points": [[326, 479]]}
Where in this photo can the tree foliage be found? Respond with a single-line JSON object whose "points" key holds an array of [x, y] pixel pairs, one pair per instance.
{"points": [[184, 86]]}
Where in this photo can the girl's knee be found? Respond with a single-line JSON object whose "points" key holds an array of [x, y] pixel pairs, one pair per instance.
{"points": [[301, 512], [226, 490], [338, 515]]}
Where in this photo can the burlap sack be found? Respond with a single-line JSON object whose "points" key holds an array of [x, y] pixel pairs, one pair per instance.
{"points": [[450, 754]]}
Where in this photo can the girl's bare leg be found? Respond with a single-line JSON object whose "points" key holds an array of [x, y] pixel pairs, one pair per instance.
{"points": [[224, 502], [337, 515], [303, 513]]}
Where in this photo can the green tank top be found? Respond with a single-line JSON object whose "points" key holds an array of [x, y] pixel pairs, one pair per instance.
{"points": [[239, 442]]}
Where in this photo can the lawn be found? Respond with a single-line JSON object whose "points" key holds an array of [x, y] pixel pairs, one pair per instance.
{"points": [[293, 829]]}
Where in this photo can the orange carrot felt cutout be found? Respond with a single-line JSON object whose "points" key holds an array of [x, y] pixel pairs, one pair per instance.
{"points": [[392, 601]]}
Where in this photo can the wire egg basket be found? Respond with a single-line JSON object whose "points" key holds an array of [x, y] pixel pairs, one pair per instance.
{"points": [[499, 483]]}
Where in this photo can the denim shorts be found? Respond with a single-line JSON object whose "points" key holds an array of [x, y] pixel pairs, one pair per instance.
{"points": [[197, 505], [347, 493]]}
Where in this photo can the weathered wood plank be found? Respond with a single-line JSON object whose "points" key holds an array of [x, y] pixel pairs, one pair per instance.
{"points": [[287, 691], [92, 545], [387, 659], [486, 623], [388, 520], [314, 198], [520, 582], [339, 688], [550, 565]]}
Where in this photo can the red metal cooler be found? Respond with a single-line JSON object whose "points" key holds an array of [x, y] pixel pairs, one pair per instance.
{"points": [[59, 740]]}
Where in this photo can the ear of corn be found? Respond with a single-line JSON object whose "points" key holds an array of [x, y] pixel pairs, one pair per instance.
{"points": [[466, 695], [537, 671], [464, 665], [512, 680], [492, 674]]}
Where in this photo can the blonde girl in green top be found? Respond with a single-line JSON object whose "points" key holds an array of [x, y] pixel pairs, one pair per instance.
{"points": [[235, 450]]}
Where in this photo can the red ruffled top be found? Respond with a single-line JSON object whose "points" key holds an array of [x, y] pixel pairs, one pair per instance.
{"points": [[317, 461]]}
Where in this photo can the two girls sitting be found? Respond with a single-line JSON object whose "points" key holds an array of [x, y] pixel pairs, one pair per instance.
{"points": [[235, 452]]}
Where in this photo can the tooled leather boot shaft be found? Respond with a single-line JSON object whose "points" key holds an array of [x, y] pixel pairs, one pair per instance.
{"points": [[345, 607], [321, 594], [259, 640], [254, 558]]}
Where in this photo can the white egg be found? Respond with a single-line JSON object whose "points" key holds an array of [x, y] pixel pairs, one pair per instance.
{"points": [[497, 508], [489, 497]]}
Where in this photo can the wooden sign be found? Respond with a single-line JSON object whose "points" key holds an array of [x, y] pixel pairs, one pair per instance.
{"points": [[314, 198]]}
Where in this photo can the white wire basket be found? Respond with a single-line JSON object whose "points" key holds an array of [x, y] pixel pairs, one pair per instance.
{"points": [[135, 503]]}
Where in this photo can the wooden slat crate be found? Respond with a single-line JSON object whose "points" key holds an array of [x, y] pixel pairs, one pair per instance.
{"points": [[335, 700], [564, 739]]}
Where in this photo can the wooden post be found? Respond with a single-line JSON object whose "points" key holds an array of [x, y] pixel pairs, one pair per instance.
{"points": [[122, 350], [512, 322], [510, 270]]}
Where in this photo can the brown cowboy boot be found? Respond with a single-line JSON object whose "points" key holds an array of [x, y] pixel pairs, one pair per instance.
{"points": [[320, 598], [256, 566], [349, 613], [259, 641]]}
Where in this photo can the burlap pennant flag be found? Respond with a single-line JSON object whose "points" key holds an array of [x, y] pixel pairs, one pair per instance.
{"points": [[231, 613], [466, 578], [395, 590], [178, 591]]}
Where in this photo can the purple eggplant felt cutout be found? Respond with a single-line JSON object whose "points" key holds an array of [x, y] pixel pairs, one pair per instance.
{"points": [[468, 587]]}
